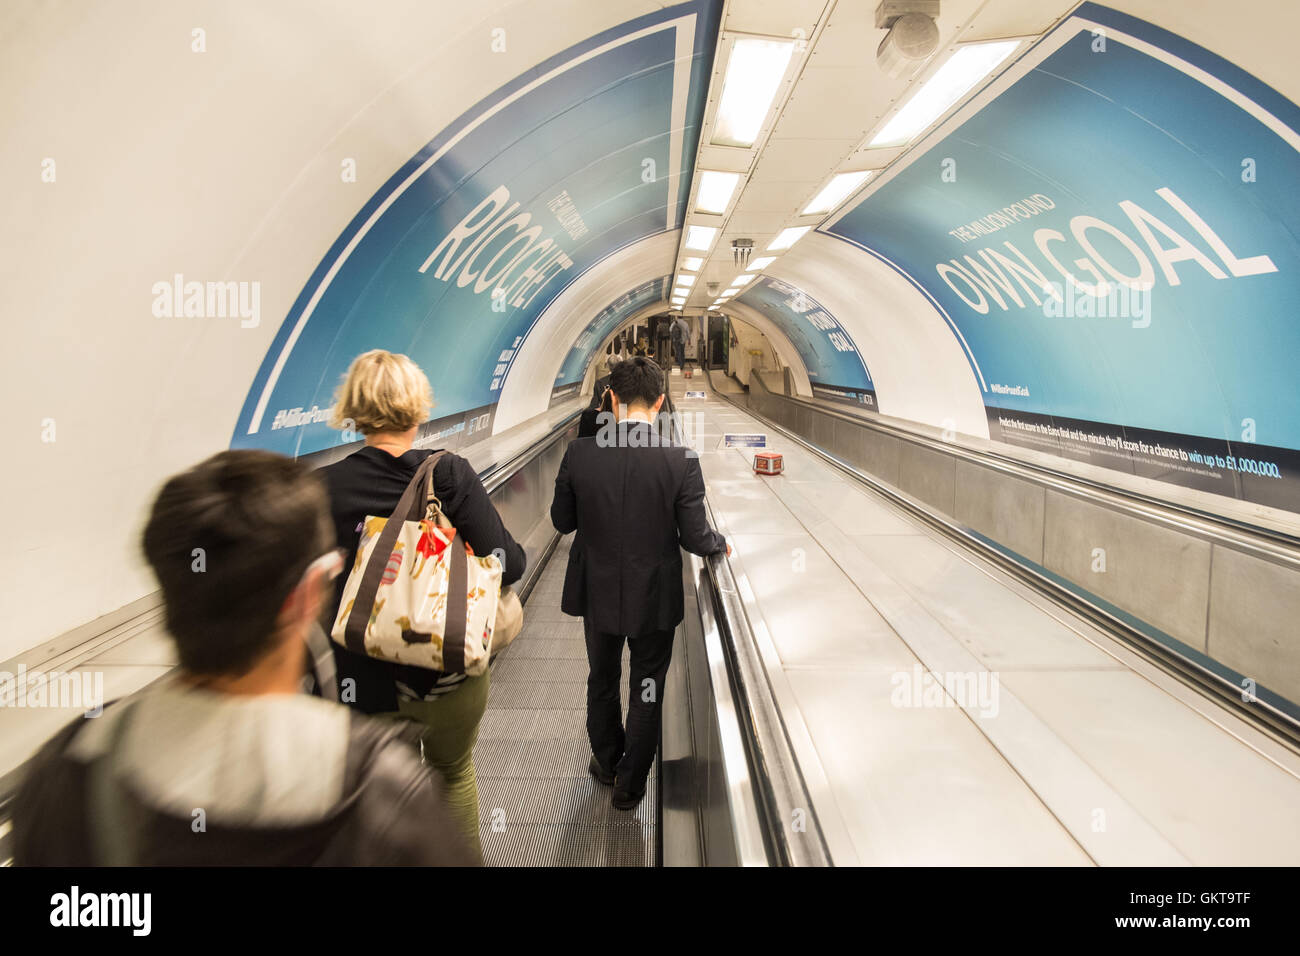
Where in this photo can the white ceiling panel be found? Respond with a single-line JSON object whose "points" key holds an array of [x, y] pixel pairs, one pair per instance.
{"points": [[782, 198], [832, 102], [800, 159], [774, 18], [1016, 19]]}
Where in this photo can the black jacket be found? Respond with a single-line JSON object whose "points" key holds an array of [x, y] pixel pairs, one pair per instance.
{"points": [[388, 809], [370, 482], [635, 505], [588, 423]]}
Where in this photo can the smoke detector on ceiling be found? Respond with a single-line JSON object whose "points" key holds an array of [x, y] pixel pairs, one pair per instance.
{"points": [[913, 35]]}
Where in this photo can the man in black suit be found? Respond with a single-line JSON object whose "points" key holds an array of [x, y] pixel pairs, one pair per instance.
{"points": [[635, 500]]}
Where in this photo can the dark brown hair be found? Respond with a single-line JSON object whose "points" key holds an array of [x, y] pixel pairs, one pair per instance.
{"points": [[229, 540]]}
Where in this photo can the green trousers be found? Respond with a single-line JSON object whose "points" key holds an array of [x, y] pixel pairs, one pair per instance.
{"points": [[451, 730]]}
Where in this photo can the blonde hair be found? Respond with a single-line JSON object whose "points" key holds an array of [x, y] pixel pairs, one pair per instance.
{"points": [[382, 392]]}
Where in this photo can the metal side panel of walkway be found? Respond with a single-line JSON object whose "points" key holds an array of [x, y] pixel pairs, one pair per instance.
{"points": [[538, 805]]}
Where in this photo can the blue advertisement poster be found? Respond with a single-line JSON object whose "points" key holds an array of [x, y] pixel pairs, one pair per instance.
{"points": [[605, 322], [1111, 240], [456, 257], [835, 368]]}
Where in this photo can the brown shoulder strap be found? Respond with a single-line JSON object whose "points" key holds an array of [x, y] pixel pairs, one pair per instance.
{"points": [[453, 630], [410, 507]]}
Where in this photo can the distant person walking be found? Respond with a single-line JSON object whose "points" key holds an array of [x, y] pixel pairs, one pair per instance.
{"points": [[635, 503], [681, 332]]}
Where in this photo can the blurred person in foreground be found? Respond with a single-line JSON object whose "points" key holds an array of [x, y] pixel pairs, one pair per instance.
{"points": [[635, 500], [224, 762]]}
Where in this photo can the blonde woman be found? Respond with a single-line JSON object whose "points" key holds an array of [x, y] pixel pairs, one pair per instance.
{"points": [[386, 397]]}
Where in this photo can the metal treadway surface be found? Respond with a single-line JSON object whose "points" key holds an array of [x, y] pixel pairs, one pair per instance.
{"points": [[538, 806]]}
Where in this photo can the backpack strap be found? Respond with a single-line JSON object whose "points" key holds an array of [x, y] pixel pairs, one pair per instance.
{"points": [[111, 817]]}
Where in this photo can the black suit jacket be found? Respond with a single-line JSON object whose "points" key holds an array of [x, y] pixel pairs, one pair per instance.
{"points": [[588, 424], [635, 506]]}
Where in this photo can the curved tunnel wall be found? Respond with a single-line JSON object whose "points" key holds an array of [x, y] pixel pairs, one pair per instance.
{"points": [[221, 143], [827, 352], [457, 258]]}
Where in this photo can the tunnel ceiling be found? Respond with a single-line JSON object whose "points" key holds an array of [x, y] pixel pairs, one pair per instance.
{"points": [[1103, 163], [1104, 225]]}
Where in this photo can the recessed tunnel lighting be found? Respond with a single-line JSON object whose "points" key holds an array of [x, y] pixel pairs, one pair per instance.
{"points": [[700, 237], [836, 191], [692, 263], [758, 265], [685, 280], [754, 73], [787, 238], [969, 64], [715, 190]]}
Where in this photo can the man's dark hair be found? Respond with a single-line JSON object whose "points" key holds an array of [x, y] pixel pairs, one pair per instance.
{"points": [[637, 380], [229, 540]]}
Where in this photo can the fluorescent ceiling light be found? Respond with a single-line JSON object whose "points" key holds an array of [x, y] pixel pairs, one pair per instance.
{"points": [[754, 73], [758, 265], [700, 237], [686, 280], [969, 64], [788, 238], [836, 191], [729, 293], [692, 263], [745, 279], [715, 191]]}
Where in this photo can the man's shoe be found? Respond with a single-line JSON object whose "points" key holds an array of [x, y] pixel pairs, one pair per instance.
{"points": [[624, 799], [600, 773]]}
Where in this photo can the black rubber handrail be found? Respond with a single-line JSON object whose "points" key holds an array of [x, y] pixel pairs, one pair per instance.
{"points": [[778, 782]]}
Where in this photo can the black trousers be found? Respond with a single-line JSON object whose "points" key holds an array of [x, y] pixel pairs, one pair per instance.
{"points": [[629, 752]]}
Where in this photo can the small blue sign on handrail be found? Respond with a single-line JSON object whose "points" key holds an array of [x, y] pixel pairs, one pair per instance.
{"points": [[744, 441]]}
